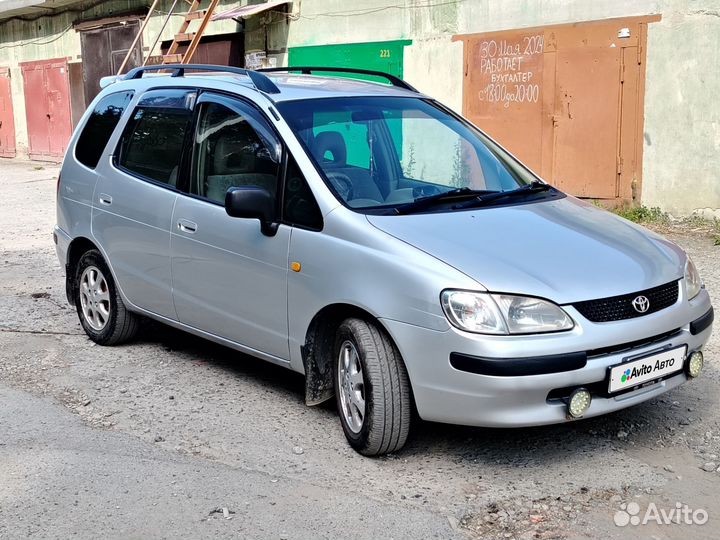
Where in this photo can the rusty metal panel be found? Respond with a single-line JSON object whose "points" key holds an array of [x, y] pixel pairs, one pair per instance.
{"points": [[221, 49], [95, 50], [631, 115], [77, 92], [503, 83], [103, 50], [59, 109], [7, 118], [581, 127], [121, 39], [47, 105], [227, 52], [586, 121], [36, 111]]}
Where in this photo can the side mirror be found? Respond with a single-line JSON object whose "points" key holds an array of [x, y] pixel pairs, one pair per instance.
{"points": [[252, 202]]}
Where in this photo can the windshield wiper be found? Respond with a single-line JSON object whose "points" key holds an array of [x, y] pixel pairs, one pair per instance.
{"points": [[430, 200], [533, 187]]}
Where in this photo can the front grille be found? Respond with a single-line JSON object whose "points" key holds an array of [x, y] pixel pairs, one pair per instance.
{"points": [[629, 346], [618, 308]]}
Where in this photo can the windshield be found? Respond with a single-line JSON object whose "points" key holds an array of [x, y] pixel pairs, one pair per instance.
{"points": [[382, 153]]}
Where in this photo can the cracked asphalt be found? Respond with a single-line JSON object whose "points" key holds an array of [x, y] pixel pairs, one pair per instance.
{"points": [[175, 437]]}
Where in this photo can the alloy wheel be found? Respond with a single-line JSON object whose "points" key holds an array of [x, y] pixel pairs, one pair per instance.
{"points": [[351, 386], [94, 298]]}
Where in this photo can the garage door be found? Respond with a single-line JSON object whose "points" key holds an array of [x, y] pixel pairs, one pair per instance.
{"points": [[566, 100], [384, 56], [7, 120], [103, 51], [47, 104]]}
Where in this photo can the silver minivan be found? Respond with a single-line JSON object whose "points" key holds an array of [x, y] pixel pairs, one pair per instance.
{"points": [[354, 230]]}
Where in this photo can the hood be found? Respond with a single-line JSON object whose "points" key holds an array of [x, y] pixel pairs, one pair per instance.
{"points": [[564, 250]]}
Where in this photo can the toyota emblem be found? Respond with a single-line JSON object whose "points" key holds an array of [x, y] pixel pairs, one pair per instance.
{"points": [[641, 304]]}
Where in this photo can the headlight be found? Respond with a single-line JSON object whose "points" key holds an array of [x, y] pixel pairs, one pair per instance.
{"points": [[530, 315], [693, 283], [474, 312], [486, 313]]}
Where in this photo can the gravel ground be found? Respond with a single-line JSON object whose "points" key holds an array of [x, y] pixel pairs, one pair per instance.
{"points": [[155, 438]]}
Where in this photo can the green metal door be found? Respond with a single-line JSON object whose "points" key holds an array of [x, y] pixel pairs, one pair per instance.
{"points": [[384, 56]]}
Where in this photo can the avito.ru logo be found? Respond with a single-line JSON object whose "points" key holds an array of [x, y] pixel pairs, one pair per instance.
{"points": [[629, 514], [639, 371]]}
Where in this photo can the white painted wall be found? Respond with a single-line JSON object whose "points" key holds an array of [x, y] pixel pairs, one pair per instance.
{"points": [[681, 161], [434, 66]]}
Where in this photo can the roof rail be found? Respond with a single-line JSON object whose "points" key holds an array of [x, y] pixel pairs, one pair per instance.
{"points": [[392, 79], [260, 81]]}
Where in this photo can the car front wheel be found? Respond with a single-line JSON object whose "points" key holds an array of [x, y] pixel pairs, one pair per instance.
{"points": [[372, 388]]}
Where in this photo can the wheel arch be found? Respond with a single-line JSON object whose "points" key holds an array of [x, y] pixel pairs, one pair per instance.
{"points": [[316, 350], [77, 248]]}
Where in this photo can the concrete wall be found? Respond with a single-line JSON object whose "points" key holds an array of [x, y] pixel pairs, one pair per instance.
{"points": [[681, 164], [682, 114]]}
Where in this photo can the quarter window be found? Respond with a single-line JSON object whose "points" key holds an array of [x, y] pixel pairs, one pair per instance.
{"points": [[300, 206], [232, 149], [153, 143], [99, 128]]}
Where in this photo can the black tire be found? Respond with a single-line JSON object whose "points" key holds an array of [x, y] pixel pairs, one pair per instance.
{"points": [[387, 393], [121, 325]]}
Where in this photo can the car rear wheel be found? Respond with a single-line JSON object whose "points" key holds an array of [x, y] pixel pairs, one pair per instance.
{"points": [[372, 389], [102, 312]]}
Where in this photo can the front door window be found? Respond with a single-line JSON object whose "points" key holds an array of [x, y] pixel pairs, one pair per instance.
{"points": [[231, 150]]}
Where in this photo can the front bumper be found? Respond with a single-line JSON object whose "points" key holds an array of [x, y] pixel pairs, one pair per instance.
{"points": [[446, 394]]}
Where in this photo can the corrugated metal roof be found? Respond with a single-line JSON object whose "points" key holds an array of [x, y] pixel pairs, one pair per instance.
{"points": [[247, 11]]}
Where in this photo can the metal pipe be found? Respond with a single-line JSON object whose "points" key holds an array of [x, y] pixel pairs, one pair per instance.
{"points": [[137, 37]]}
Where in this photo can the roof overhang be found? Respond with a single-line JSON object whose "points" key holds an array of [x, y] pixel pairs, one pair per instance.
{"points": [[10, 5], [15, 8], [248, 11]]}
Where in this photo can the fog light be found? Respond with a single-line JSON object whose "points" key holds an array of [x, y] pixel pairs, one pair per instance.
{"points": [[579, 402], [695, 364]]}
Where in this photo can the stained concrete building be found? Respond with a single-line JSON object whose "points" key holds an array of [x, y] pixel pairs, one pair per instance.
{"points": [[612, 100]]}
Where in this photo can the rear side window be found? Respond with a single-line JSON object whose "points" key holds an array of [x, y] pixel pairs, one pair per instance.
{"points": [[99, 128], [153, 141]]}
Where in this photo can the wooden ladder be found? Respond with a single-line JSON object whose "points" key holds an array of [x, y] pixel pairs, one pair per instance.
{"points": [[193, 38], [182, 37]]}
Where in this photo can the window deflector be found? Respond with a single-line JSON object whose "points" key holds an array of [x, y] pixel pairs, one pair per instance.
{"points": [[253, 117]]}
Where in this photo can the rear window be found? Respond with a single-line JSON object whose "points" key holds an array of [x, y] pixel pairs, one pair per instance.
{"points": [[99, 128]]}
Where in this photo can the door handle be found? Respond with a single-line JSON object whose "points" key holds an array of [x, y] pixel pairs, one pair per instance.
{"points": [[105, 199], [187, 226]]}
